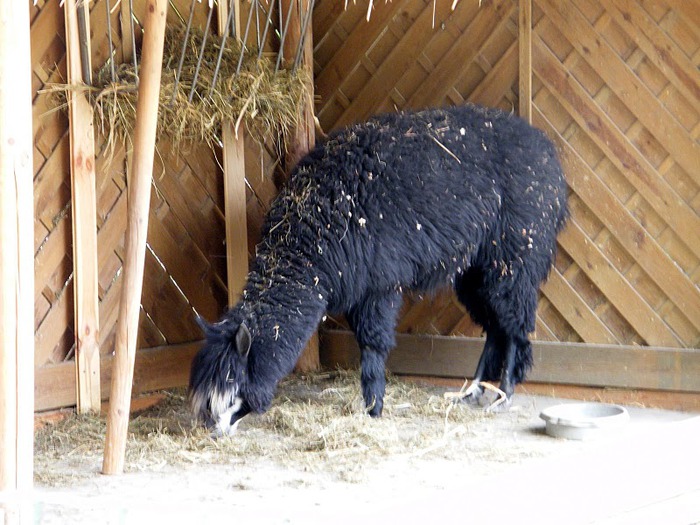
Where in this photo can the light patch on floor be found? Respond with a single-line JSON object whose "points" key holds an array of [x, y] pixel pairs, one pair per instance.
{"points": [[482, 468]]}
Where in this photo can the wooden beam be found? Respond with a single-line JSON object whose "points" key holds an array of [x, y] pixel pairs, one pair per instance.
{"points": [[525, 69], [16, 267], [674, 369], [84, 208], [127, 31], [303, 138], [55, 384], [235, 209], [137, 227]]}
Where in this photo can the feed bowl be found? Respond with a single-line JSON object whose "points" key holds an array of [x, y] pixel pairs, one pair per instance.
{"points": [[583, 420]]}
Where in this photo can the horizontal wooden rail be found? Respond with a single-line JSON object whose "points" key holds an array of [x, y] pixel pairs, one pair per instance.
{"points": [[675, 369], [155, 368]]}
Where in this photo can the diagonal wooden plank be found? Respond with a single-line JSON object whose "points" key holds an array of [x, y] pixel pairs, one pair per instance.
{"points": [[166, 305], [499, 80], [648, 324], [658, 47], [401, 57], [45, 26], [542, 331], [688, 11], [191, 282], [51, 193], [622, 80], [327, 13], [51, 255], [575, 310], [348, 57], [483, 24], [49, 333], [631, 235], [624, 155]]}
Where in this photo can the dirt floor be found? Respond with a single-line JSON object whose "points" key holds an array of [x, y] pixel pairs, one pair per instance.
{"points": [[316, 458]]}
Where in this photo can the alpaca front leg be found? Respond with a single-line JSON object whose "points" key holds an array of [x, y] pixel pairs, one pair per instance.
{"points": [[373, 379], [507, 386], [374, 320]]}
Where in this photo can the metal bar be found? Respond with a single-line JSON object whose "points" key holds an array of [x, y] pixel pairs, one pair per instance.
{"points": [[280, 56], [224, 35], [201, 54], [243, 46], [84, 42], [182, 53], [257, 22], [268, 23], [302, 40], [133, 39], [112, 69]]}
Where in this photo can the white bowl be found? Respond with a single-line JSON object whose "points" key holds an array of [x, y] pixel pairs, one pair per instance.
{"points": [[583, 420]]}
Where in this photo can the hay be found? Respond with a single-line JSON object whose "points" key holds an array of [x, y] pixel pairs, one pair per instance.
{"points": [[267, 102], [317, 424]]}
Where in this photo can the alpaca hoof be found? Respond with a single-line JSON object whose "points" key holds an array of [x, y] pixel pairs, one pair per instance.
{"points": [[490, 403], [374, 411], [500, 404], [473, 395]]}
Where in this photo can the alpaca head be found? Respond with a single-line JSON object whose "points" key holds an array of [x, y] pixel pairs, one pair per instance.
{"points": [[219, 377]]}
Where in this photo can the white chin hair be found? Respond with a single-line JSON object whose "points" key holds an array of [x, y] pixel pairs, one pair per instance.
{"points": [[223, 424]]}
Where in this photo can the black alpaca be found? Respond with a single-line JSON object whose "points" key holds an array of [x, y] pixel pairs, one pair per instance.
{"points": [[466, 196]]}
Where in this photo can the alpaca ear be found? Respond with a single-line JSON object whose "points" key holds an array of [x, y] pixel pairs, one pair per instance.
{"points": [[243, 340], [206, 328]]}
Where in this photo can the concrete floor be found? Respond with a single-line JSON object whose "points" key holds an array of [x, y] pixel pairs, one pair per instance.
{"points": [[647, 473]]}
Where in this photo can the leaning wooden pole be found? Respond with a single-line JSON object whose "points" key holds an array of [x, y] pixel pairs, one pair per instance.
{"points": [[16, 267], [139, 196], [303, 138]]}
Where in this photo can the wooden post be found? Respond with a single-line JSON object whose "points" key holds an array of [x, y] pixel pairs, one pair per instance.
{"points": [[525, 48], [303, 138], [84, 207], [127, 33], [136, 230], [16, 267], [234, 187]]}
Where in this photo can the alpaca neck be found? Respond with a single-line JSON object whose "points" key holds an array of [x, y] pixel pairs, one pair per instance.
{"points": [[286, 314]]}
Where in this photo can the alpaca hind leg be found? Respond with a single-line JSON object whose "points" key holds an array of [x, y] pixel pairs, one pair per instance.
{"points": [[506, 388], [374, 321], [516, 316], [473, 393]]}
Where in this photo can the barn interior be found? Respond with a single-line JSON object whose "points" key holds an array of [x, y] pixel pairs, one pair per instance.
{"points": [[122, 224]]}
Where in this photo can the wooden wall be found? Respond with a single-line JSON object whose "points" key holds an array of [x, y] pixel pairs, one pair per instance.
{"points": [[615, 83], [185, 271]]}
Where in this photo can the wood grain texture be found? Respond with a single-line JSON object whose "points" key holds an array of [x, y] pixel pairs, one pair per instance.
{"points": [[615, 84], [137, 228], [16, 266], [557, 363], [84, 212]]}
